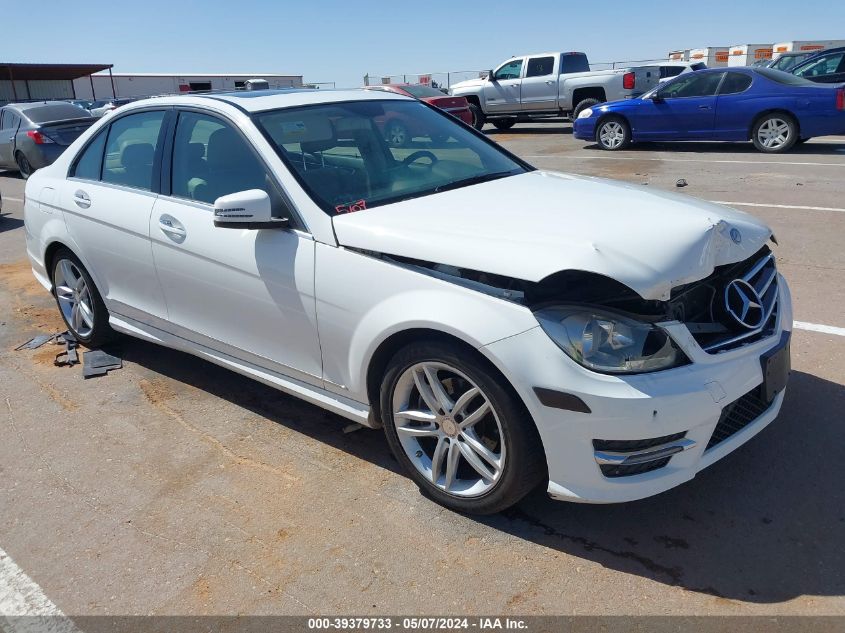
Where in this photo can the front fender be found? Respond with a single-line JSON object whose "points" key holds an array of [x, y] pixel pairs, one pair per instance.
{"points": [[362, 301]]}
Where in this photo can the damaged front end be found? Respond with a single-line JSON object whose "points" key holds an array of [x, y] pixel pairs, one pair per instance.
{"points": [[605, 326]]}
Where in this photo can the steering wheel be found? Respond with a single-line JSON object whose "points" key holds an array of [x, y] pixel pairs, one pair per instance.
{"points": [[423, 153]]}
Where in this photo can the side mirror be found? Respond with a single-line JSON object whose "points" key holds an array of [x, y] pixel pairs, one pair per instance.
{"points": [[490, 76], [657, 97], [249, 209]]}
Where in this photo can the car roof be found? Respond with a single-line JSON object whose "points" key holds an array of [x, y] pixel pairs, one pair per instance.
{"points": [[33, 104], [259, 100]]}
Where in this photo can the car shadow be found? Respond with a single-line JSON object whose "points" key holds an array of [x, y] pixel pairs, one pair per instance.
{"points": [[559, 128], [765, 524], [814, 148], [8, 223]]}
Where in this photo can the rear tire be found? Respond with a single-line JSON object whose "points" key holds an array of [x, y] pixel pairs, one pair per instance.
{"points": [[583, 105], [24, 166], [79, 301], [775, 133], [482, 420], [504, 124], [478, 117], [613, 134]]}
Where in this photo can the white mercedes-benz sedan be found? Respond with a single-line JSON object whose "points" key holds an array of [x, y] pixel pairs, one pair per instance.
{"points": [[506, 326]]}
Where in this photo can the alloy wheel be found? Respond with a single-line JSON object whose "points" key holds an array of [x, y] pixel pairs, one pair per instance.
{"points": [[24, 167], [448, 429], [774, 133], [612, 134], [74, 297]]}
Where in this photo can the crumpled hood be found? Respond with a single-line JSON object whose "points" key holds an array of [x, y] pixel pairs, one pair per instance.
{"points": [[535, 224]]}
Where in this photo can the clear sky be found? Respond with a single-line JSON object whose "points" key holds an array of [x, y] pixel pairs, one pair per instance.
{"points": [[334, 40]]}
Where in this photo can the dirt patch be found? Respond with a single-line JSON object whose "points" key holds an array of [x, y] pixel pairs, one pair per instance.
{"points": [[157, 391], [41, 317], [18, 277]]}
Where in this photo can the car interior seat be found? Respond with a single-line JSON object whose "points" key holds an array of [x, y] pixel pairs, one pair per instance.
{"points": [[137, 162]]}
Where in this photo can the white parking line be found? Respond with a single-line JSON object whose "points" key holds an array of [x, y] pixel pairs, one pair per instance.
{"points": [[777, 206], [14, 199], [21, 597], [816, 327], [687, 160]]}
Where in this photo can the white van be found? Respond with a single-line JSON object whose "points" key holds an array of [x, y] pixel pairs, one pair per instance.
{"points": [[800, 46], [748, 54], [713, 56]]}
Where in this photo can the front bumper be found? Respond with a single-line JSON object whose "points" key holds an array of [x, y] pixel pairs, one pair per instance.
{"points": [[584, 129], [687, 400]]}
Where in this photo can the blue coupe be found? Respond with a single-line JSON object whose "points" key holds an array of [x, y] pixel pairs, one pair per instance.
{"points": [[774, 109]]}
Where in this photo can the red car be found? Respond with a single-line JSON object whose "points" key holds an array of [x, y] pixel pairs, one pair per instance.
{"points": [[399, 131]]}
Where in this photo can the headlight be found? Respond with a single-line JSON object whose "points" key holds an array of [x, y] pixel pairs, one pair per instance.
{"points": [[609, 343], [586, 112]]}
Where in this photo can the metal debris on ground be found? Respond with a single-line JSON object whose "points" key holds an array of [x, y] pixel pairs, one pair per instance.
{"points": [[681, 183], [70, 356], [36, 342], [98, 363]]}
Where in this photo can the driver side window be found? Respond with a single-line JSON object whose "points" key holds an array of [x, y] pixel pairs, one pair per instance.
{"points": [[511, 70], [695, 85]]}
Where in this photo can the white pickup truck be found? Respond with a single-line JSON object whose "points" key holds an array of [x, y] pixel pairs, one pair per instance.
{"points": [[548, 85]]}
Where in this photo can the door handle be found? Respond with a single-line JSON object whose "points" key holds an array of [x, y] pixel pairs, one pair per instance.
{"points": [[81, 199], [549, 82], [172, 228], [704, 107]]}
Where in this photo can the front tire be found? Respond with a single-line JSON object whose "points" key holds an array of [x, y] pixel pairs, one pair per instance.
{"points": [[504, 124], [478, 118], [583, 105], [462, 435], [613, 134], [80, 304], [24, 166], [775, 133]]}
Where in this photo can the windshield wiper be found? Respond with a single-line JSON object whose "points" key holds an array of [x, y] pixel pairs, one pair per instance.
{"points": [[474, 180]]}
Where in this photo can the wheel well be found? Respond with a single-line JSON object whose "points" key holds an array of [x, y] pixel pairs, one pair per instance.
{"points": [[473, 99], [773, 111], [587, 93], [49, 254], [392, 344]]}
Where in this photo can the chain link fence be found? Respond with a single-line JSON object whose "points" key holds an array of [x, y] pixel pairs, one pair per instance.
{"points": [[443, 80]]}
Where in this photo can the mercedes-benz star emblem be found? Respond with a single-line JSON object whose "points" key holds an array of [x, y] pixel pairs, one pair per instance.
{"points": [[744, 304], [736, 236]]}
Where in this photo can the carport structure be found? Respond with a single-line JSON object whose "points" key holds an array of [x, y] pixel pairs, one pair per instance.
{"points": [[28, 82]]}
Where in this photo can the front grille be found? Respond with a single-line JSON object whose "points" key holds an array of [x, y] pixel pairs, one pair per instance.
{"points": [[610, 470], [737, 415], [712, 311]]}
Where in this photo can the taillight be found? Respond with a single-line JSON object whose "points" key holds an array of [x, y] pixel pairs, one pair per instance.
{"points": [[840, 99], [39, 138], [628, 81]]}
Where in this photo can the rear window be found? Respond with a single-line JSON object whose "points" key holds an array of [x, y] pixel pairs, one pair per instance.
{"points": [[573, 63], [56, 112], [781, 77], [420, 91]]}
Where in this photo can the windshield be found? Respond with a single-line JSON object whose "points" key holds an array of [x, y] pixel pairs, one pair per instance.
{"points": [[362, 154], [786, 62], [56, 112], [420, 91]]}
